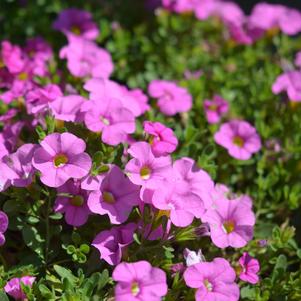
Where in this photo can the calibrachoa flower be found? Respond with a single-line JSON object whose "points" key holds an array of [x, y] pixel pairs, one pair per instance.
{"points": [[231, 223], [182, 207], [189, 178], [117, 203], [145, 169], [13, 286], [73, 21], [17, 167], [162, 139], [134, 100], [239, 138], [68, 108], [214, 281], [39, 98], [3, 227], [72, 201], [139, 281], [215, 108], [61, 157], [249, 267], [86, 59], [193, 257], [172, 99], [289, 82], [108, 116], [111, 243]]}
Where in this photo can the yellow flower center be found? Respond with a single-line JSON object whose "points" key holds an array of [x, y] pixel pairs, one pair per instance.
{"points": [[212, 107], [77, 201], [60, 160], [228, 226], [23, 76], [237, 140], [1, 63], [135, 288], [208, 285], [108, 197], [145, 172], [76, 30], [104, 120]]}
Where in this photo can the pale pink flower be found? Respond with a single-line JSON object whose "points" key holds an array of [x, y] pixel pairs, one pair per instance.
{"points": [[13, 287], [249, 267], [215, 109], [239, 138]]}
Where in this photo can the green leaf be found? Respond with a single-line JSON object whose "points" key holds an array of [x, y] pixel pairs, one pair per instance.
{"points": [[65, 274], [3, 297]]}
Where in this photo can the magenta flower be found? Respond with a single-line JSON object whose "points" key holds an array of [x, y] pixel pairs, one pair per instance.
{"points": [[68, 108], [38, 99], [249, 267], [268, 16], [76, 22], [111, 200], [61, 157], [111, 118], [145, 169], [111, 243], [289, 82], [139, 281], [17, 167], [134, 100], [213, 280], [13, 287], [192, 180], [12, 57], [239, 138], [3, 227], [231, 223], [215, 109], [72, 200], [86, 59], [172, 99], [163, 140], [182, 207]]}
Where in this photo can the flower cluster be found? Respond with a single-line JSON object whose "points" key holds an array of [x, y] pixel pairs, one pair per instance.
{"points": [[60, 130]]}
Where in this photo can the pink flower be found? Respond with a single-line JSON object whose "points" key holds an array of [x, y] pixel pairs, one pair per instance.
{"points": [[139, 281], [111, 243], [249, 268], [215, 108], [231, 223], [3, 227], [111, 118], [68, 108], [268, 16], [17, 167], [163, 140], [239, 138], [76, 22], [86, 59], [12, 57], [191, 179], [9, 115], [61, 157], [134, 100], [72, 200], [172, 99], [182, 207], [38, 99], [13, 287], [145, 169], [111, 200], [291, 83], [213, 280]]}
